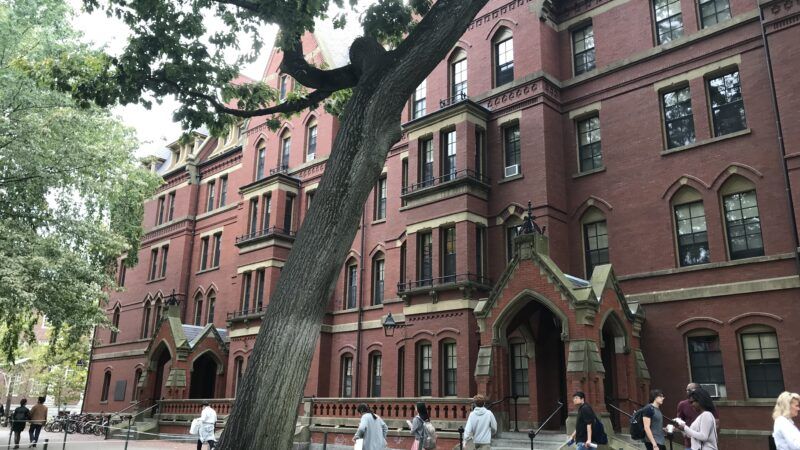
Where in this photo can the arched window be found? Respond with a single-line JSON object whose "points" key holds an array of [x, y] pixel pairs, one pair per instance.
{"points": [[503, 44], [595, 239], [106, 386], [115, 325], [146, 320], [705, 361], [198, 309], [311, 140], [286, 148], [518, 360], [261, 159], [378, 278], [238, 370], [458, 74], [375, 371], [762, 362], [742, 219], [137, 376], [346, 375], [351, 284], [449, 360], [212, 300], [157, 315], [424, 368], [690, 228]]}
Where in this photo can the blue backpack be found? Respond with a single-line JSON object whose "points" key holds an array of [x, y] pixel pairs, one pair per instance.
{"points": [[599, 435]]}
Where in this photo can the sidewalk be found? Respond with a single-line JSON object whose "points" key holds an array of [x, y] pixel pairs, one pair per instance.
{"points": [[88, 442]]}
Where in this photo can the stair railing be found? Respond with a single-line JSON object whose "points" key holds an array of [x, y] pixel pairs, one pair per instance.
{"points": [[532, 434], [512, 397], [130, 422]]}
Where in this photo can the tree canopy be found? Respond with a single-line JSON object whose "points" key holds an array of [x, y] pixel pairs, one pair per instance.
{"points": [[71, 191]]}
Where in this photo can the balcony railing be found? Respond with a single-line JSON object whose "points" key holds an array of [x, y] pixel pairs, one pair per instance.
{"points": [[241, 314], [284, 168], [440, 409], [460, 278], [446, 178], [452, 100], [264, 233], [194, 406]]}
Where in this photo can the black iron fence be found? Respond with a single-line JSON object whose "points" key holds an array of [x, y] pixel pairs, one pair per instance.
{"points": [[446, 178], [264, 233], [444, 280]]}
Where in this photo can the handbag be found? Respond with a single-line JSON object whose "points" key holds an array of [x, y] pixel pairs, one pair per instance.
{"points": [[194, 429], [359, 444]]}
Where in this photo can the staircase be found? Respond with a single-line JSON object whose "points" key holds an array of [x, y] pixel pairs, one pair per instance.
{"points": [[138, 429], [545, 440]]}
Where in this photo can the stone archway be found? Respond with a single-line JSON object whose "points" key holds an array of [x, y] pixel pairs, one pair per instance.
{"points": [[205, 371], [159, 360]]}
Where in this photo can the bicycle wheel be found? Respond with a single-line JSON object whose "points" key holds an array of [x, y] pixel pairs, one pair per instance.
{"points": [[57, 427], [70, 427]]}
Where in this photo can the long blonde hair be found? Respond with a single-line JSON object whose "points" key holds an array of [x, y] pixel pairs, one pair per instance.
{"points": [[783, 406]]}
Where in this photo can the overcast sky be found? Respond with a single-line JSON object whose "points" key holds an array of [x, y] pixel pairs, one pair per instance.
{"points": [[154, 127]]}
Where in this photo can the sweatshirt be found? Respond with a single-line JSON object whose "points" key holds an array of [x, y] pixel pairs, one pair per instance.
{"points": [[481, 425]]}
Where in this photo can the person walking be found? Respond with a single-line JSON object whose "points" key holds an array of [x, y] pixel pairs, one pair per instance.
{"points": [[208, 422], [418, 425], [38, 419], [688, 414], [481, 425], [582, 436], [18, 418], [2, 415], [372, 429], [703, 431], [785, 433], [653, 422]]}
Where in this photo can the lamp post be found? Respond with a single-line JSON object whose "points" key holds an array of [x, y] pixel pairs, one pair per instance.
{"points": [[389, 326]]}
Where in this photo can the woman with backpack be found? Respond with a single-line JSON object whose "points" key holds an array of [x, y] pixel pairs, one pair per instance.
{"points": [[372, 430], [418, 428], [19, 418], [703, 430]]}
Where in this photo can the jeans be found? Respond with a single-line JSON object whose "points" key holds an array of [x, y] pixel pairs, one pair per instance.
{"points": [[211, 444], [33, 432]]}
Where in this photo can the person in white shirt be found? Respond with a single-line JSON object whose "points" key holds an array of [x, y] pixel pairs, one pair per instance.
{"points": [[481, 425], [785, 433], [208, 421]]}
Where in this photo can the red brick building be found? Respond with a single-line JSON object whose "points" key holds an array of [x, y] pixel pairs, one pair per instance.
{"points": [[652, 138]]}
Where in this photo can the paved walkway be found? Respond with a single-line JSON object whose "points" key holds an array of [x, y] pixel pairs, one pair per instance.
{"points": [[86, 442]]}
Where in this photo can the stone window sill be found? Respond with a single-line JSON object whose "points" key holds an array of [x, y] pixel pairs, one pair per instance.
{"points": [[589, 172], [210, 269], [377, 221], [510, 179], [155, 280], [713, 140]]}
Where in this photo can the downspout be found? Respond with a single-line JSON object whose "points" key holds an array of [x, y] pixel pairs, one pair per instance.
{"points": [[360, 301], [781, 143]]}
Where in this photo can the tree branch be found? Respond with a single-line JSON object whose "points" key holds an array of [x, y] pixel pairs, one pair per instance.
{"points": [[244, 4], [288, 107], [294, 63]]}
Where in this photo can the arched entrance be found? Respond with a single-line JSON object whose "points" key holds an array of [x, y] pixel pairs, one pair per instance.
{"points": [[205, 370], [613, 349], [159, 361], [535, 331]]}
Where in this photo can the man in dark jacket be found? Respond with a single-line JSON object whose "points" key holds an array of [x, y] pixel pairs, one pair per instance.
{"points": [[20, 416], [586, 418]]}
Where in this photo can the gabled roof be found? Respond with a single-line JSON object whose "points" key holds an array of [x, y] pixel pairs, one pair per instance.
{"points": [[194, 334]]}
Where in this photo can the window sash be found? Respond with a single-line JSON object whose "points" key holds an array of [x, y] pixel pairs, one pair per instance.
{"points": [[743, 225], [504, 62], [762, 365], [164, 254], [262, 153], [690, 229], [223, 191], [427, 162], [449, 254], [153, 264], [203, 253], [160, 214], [426, 257], [258, 303], [727, 106], [713, 12], [312, 141], [217, 249], [246, 280], [210, 201], [678, 117], [458, 74], [519, 370], [198, 311], [589, 147], [288, 213], [211, 306], [450, 368], [583, 48], [425, 370], [669, 21], [595, 237], [378, 283], [375, 375], [705, 359], [380, 205], [267, 212], [347, 377], [352, 286], [171, 213], [418, 107], [511, 145]]}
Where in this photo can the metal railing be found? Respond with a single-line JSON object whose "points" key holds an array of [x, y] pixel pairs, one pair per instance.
{"points": [[508, 397], [446, 178], [283, 168], [445, 102], [444, 280], [263, 233], [258, 310]]}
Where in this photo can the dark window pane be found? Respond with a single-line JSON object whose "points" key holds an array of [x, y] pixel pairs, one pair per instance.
{"points": [[743, 225], [727, 106]]}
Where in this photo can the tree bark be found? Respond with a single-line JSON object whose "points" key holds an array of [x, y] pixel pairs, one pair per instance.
{"points": [[265, 411]]}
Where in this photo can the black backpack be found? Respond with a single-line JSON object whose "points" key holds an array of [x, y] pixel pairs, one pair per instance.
{"points": [[599, 435], [21, 414], [637, 424]]}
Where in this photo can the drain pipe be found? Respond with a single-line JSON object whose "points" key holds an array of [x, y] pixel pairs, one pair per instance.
{"points": [[360, 301], [781, 143]]}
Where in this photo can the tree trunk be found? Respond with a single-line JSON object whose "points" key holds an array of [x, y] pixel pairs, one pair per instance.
{"points": [[265, 411]]}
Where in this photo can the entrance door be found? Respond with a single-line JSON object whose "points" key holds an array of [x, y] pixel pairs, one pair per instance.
{"points": [[204, 377], [162, 358], [547, 382], [612, 349]]}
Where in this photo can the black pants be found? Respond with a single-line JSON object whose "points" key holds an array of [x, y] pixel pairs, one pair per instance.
{"points": [[17, 432], [33, 432], [649, 446], [211, 444]]}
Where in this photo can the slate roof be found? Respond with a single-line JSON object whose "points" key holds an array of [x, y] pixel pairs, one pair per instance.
{"points": [[192, 332]]}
